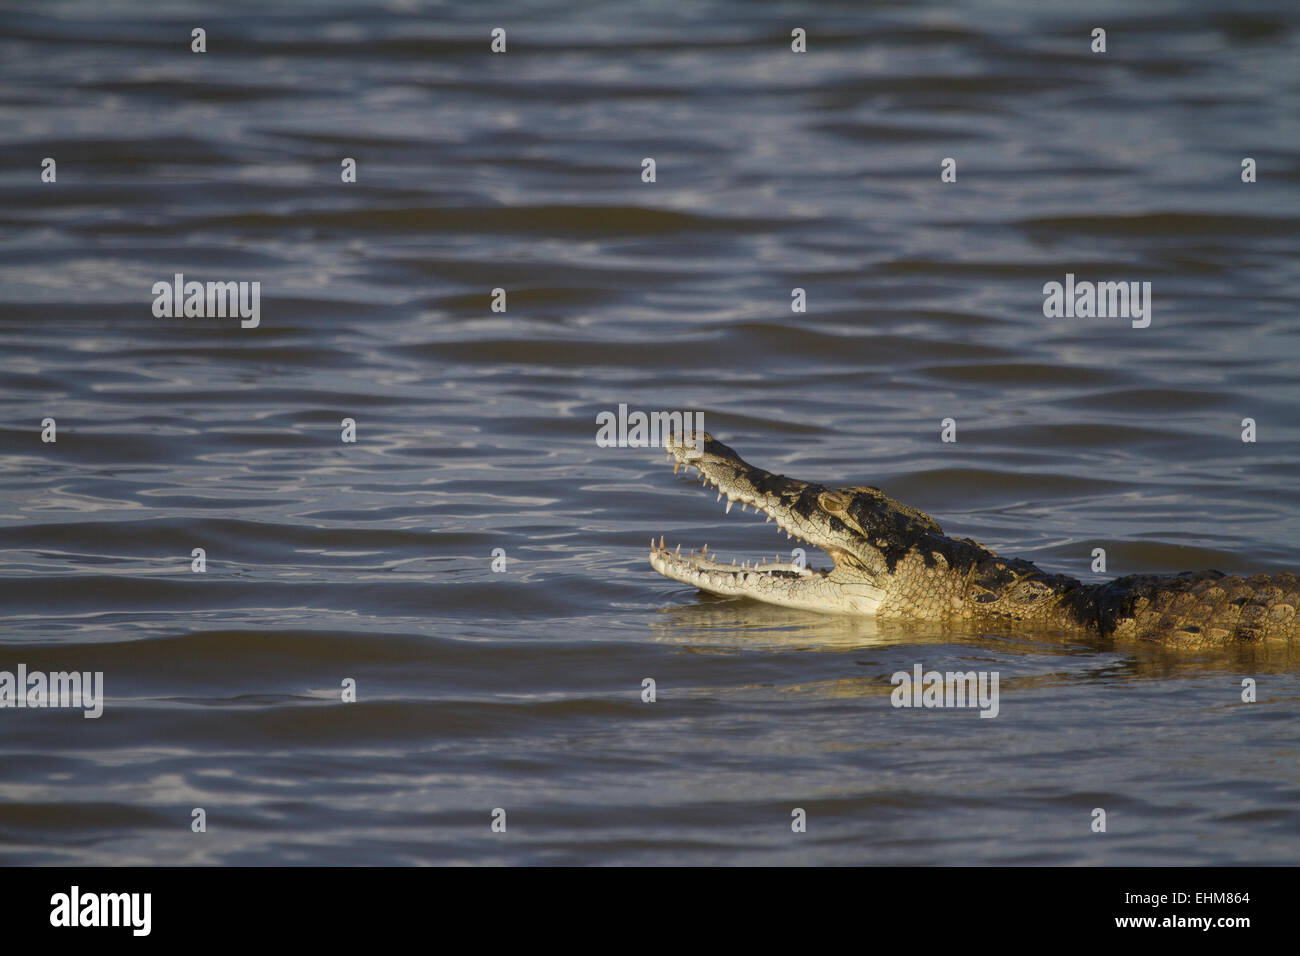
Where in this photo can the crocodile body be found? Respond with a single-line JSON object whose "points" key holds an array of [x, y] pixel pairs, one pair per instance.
{"points": [[894, 562]]}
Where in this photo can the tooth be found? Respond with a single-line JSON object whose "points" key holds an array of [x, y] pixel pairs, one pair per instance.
{"points": [[769, 518], [719, 496], [676, 465], [704, 549], [679, 550], [729, 504]]}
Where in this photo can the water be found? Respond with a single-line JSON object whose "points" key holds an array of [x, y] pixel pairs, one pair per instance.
{"points": [[475, 430]]}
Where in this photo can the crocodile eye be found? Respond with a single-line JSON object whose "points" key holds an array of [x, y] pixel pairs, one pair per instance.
{"points": [[833, 502]]}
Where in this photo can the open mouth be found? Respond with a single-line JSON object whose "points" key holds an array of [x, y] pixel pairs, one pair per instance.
{"points": [[719, 469]]}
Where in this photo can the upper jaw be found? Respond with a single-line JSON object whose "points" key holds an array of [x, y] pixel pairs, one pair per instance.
{"points": [[735, 478]]}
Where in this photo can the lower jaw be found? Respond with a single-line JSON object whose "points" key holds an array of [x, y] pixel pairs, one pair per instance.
{"points": [[810, 591]]}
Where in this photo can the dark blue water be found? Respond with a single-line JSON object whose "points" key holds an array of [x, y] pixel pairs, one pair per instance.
{"points": [[522, 690]]}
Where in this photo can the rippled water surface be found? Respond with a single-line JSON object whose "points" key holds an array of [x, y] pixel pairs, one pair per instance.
{"points": [[475, 429]]}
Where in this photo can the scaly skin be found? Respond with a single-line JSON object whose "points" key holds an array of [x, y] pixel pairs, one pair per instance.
{"points": [[894, 562]]}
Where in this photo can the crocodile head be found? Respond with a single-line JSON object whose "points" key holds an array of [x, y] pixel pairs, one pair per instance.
{"points": [[894, 562], [865, 532]]}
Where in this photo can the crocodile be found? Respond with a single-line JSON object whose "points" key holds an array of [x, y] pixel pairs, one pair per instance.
{"points": [[892, 561]]}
